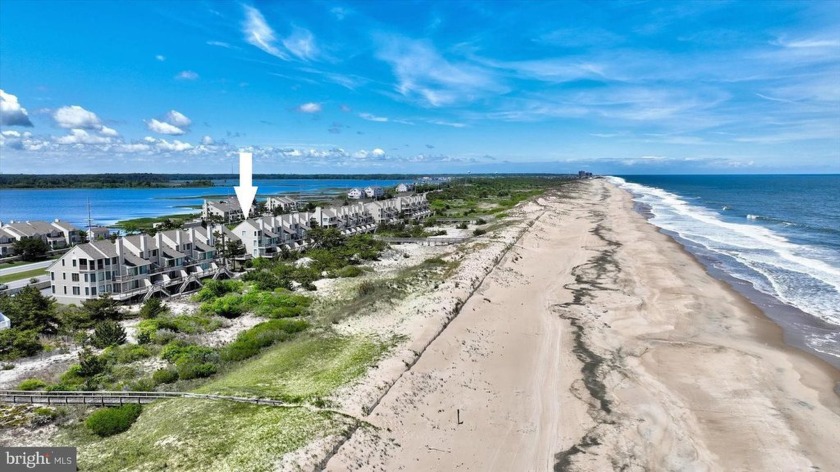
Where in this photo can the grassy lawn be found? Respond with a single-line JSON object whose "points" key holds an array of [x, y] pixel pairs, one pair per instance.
{"points": [[306, 369], [203, 435], [22, 275], [148, 222]]}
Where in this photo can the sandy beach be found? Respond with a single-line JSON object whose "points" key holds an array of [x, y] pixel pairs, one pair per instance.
{"points": [[590, 341]]}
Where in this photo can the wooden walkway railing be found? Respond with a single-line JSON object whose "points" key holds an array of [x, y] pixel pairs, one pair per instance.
{"points": [[111, 398], [423, 241]]}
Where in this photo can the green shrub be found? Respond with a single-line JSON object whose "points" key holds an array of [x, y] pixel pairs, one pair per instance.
{"points": [[277, 304], [164, 376], [108, 333], [481, 221], [129, 353], [143, 337], [217, 288], [195, 370], [15, 344], [90, 364], [479, 232], [462, 226], [179, 351], [32, 384], [350, 271], [249, 342], [110, 421], [228, 306], [152, 308]]}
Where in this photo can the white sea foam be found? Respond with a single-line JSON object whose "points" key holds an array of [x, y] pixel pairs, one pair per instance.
{"points": [[752, 217], [795, 274]]}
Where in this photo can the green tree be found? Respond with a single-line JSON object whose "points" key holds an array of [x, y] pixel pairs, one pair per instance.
{"points": [[102, 308], [90, 364], [30, 249], [152, 308], [29, 310], [234, 248], [108, 333], [15, 343], [326, 238]]}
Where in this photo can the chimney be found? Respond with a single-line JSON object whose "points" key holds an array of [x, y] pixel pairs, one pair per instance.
{"points": [[143, 247], [261, 224], [192, 235], [159, 244], [211, 240], [120, 250], [178, 239]]}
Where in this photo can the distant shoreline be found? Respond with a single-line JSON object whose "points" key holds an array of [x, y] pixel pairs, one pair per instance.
{"points": [[146, 180]]}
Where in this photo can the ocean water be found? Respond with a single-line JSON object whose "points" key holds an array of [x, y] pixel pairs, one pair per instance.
{"points": [[776, 239], [114, 204]]}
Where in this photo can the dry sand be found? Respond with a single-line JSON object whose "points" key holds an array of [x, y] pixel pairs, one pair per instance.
{"points": [[596, 344]]}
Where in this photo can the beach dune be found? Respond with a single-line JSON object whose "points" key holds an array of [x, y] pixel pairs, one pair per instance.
{"points": [[597, 343]]}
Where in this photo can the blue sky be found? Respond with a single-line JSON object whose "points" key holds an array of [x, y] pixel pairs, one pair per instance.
{"points": [[353, 87]]}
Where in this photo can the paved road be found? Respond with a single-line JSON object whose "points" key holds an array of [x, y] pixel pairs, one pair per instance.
{"points": [[26, 267]]}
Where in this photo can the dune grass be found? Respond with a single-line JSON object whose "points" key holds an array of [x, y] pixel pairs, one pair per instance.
{"points": [[203, 435], [306, 369]]}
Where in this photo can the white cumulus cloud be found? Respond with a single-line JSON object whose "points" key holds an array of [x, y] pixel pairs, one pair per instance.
{"points": [[163, 127], [207, 141], [76, 117], [106, 131], [177, 118], [80, 136], [11, 113]]}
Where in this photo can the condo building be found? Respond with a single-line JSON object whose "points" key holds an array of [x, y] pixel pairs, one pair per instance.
{"points": [[136, 267]]}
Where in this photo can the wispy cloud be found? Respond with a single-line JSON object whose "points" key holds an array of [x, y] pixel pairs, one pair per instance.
{"points": [[259, 34], [425, 76], [187, 75], [371, 117], [310, 107], [300, 43], [220, 44]]}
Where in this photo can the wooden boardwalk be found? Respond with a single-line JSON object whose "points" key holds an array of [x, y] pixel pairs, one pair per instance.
{"points": [[424, 241], [112, 398]]}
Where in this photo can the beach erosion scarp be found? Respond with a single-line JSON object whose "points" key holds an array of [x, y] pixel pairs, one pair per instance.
{"points": [[593, 342]]}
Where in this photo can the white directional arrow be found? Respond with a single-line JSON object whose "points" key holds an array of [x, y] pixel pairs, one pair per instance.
{"points": [[245, 192]]}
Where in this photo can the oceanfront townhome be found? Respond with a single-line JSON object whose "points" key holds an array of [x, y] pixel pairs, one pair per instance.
{"points": [[284, 204], [225, 211], [405, 187], [57, 234], [355, 194], [7, 241], [173, 262], [137, 267], [374, 192]]}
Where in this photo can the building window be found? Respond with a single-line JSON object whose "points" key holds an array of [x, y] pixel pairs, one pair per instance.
{"points": [[87, 290], [62, 263], [65, 290], [63, 276], [74, 277], [86, 277], [53, 289], [76, 291], [52, 276], [93, 277], [74, 262], [92, 290]]}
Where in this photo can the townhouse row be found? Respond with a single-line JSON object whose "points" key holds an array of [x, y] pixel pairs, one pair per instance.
{"points": [[56, 234], [134, 268]]}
